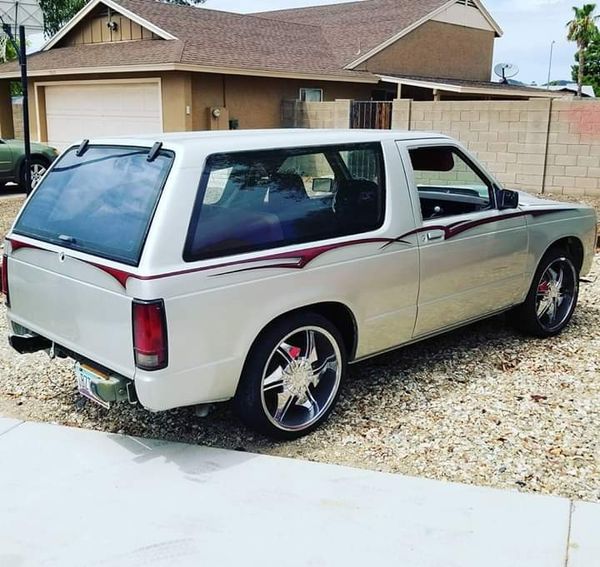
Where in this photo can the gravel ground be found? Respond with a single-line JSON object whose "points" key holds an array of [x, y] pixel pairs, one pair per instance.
{"points": [[9, 207], [587, 199], [481, 405]]}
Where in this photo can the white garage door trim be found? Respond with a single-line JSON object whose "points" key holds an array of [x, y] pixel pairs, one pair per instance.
{"points": [[41, 85]]}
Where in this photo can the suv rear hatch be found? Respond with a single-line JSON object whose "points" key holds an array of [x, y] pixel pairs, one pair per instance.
{"points": [[83, 226]]}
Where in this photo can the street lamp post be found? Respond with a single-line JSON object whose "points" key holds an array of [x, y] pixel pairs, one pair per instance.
{"points": [[20, 48], [550, 64]]}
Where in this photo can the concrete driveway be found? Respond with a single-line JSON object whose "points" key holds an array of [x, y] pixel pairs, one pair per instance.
{"points": [[74, 497]]}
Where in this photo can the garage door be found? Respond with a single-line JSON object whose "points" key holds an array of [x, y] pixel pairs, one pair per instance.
{"points": [[92, 110]]}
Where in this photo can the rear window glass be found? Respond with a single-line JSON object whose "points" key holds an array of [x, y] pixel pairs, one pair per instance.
{"points": [[100, 203], [251, 201]]}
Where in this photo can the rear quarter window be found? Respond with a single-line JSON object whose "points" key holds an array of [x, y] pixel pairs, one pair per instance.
{"points": [[101, 202], [250, 201]]}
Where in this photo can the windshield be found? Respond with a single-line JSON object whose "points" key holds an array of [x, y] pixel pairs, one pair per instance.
{"points": [[101, 203]]}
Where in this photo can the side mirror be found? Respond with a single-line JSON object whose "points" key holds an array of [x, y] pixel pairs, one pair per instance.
{"points": [[507, 199], [322, 185]]}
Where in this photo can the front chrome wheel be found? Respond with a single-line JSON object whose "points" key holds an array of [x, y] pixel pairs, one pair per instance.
{"points": [[556, 294], [301, 378]]}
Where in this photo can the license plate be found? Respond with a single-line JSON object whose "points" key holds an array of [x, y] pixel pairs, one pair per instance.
{"points": [[86, 377]]}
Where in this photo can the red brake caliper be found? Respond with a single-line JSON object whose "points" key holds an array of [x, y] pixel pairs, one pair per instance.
{"points": [[295, 352], [543, 287]]}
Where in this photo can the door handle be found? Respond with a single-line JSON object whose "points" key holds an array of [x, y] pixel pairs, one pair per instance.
{"points": [[435, 235]]}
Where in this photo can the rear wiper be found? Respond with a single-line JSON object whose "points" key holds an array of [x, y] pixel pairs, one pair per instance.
{"points": [[154, 151], [67, 239]]}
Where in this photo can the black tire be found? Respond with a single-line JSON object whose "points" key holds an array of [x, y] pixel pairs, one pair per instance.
{"points": [[525, 317], [310, 371], [36, 163]]}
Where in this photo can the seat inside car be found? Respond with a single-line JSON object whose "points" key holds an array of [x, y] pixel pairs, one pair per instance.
{"points": [[287, 198], [357, 202]]}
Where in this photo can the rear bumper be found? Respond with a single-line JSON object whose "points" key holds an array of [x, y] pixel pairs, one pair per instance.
{"points": [[165, 389], [156, 391], [112, 388]]}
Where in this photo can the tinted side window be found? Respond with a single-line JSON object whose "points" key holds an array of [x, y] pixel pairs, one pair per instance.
{"points": [[266, 199]]}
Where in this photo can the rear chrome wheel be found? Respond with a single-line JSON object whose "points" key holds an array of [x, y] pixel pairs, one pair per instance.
{"points": [[301, 378], [292, 378], [552, 297]]}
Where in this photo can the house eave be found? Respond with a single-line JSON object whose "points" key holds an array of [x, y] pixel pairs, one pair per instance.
{"points": [[367, 78], [466, 90]]}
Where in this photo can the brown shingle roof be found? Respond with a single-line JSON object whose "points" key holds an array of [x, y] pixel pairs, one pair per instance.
{"points": [[102, 55], [355, 28], [315, 41]]}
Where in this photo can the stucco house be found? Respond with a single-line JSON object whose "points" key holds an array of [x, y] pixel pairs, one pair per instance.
{"points": [[141, 66]]}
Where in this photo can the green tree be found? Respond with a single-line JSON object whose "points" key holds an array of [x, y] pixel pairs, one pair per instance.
{"points": [[581, 29], [591, 68], [9, 53], [58, 12]]}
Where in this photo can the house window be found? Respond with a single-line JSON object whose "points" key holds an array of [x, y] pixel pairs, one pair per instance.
{"points": [[311, 95]]}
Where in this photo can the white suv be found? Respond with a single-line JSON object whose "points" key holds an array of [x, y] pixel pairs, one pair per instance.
{"points": [[257, 265]]}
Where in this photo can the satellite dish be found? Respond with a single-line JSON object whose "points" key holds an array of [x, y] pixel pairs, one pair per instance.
{"points": [[506, 71]]}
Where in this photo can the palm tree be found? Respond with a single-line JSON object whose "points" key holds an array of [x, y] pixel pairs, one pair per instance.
{"points": [[581, 29]]}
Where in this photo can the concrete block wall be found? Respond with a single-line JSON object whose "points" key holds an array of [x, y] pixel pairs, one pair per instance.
{"points": [[573, 161], [17, 112], [335, 114], [537, 145], [509, 137]]}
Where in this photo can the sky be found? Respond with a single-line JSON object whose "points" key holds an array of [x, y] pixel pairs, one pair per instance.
{"points": [[529, 27]]}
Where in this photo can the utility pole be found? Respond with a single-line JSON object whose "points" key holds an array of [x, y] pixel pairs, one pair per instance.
{"points": [[550, 64], [21, 49]]}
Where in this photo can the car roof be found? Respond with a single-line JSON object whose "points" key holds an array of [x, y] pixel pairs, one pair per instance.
{"points": [[231, 140]]}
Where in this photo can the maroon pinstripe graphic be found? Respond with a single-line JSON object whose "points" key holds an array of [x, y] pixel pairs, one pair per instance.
{"points": [[456, 228], [17, 244], [301, 258]]}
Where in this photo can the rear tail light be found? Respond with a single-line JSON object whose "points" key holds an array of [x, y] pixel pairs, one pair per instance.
{"points": [[4, 269], [150, 346]]}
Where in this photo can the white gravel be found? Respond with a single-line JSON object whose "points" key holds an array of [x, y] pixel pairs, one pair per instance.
{"points": [[481, 405]]}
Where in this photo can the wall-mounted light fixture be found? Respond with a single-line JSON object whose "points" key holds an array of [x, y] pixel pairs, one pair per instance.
{"points": [[112, 25]]}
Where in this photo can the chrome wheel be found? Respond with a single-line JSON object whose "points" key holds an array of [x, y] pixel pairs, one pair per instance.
{"points": [[301, 378], [556, 294], [37, 172]]}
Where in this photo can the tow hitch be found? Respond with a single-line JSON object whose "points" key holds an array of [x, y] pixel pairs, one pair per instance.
{"points": [[29, 344]]}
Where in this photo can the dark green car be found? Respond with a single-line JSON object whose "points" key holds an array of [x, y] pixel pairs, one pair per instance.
{"points": [[12, 161]]}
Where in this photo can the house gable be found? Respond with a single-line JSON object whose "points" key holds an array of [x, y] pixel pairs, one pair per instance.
{"points": [[465, 13], [88, 29], [104, 25], [437, 49]]}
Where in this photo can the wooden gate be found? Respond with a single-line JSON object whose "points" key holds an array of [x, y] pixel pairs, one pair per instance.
{"points": [[371, 114]]}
